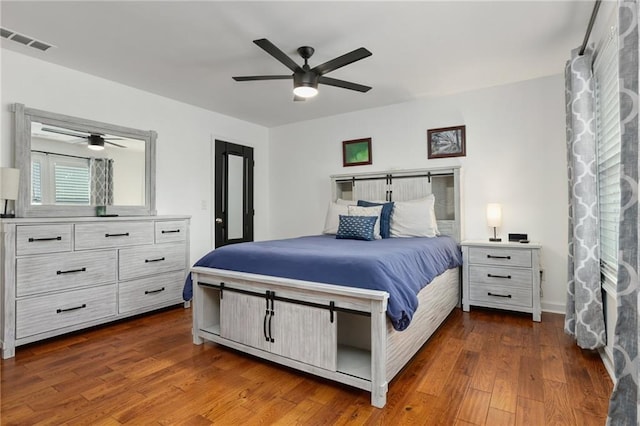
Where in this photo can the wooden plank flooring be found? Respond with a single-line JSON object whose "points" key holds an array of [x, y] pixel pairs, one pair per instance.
{"points": [[480, 368]]}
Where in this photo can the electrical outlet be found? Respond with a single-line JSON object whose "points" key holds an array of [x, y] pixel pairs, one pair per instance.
{"points": [[203, 204]]}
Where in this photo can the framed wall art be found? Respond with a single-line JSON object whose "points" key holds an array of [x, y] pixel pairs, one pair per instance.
{"points": [[356, 152], [446, 142]]}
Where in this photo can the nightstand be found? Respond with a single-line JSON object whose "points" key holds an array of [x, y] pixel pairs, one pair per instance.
{"points": [[502, 276]]}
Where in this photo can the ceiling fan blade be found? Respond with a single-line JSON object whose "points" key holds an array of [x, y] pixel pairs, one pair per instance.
{"points": [[343, 84], [272, 50], [341, 61], [114, 144], [64, 132], [263, 77], [297, 98]]}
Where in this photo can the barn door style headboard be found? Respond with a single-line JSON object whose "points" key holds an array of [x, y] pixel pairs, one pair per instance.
{"points": [[406, 185]]}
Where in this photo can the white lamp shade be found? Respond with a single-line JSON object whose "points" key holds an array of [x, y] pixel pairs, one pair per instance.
{"points": [[494, 215], [9, 181]]}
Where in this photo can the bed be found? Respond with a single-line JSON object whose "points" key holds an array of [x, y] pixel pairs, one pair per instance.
{"points": [[348, 328]]}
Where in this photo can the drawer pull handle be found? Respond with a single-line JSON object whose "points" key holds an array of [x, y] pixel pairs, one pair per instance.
{"points": [[75, 308], [508, 296], [508, 277], [58, 238], [160, 290], [126, 234], [71, 271], [160, 259], [172, 231], [491, 256]]}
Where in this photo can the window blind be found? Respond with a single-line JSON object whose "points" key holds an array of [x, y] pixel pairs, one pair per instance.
{"points": [[36, 182], [608, 144], [71, 184]]}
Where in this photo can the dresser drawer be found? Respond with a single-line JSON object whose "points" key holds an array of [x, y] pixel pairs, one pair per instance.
{"points": [[501, 296], [112, 234], [36, 239], [47, 313], [150, 291], [46, 273], [147, 260], [510, 277], [500, 256], [171, 231]]}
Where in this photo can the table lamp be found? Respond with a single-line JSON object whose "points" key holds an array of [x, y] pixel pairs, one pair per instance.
{"points": [[494, 219], [9, 182]]}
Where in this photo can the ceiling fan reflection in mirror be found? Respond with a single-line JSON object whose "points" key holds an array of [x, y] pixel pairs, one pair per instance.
{"points": [[305, 78], [95, 141]]}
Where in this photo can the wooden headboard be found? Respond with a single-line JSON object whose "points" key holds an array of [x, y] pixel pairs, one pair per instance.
{"points": [[404, 185]]}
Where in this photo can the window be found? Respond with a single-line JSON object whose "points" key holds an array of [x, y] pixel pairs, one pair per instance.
{"points": [[608, 143], [68, 176], [36, 181]]}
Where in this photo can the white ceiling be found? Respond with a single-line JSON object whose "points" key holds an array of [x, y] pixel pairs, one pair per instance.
{"points": [[188, 50]]}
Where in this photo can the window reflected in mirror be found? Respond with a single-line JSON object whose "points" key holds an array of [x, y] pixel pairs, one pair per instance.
{"points": [[76, 168]]}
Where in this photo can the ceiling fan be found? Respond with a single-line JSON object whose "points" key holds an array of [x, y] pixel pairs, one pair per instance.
{"points": [[305, 78], [95, 141]]}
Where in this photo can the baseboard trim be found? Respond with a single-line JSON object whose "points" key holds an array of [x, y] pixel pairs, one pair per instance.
{"points": [[555, 308], [607, 359]]}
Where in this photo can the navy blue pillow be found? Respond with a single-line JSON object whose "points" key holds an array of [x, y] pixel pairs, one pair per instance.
{"points": [[356, 227], [385, 216]]}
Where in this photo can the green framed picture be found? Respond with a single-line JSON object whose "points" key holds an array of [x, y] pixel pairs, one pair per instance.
{"points": [[356, 152]]}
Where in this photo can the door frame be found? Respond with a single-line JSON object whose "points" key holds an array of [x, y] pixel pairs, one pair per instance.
{"points": [[221, 149]]}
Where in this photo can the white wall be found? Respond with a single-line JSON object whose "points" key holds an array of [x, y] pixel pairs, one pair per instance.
{"points": [[185, 133], [515, 156]]}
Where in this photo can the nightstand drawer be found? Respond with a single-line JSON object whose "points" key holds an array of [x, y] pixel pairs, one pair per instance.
{"points": [[500, 256], [501, 296], [483, 275]]}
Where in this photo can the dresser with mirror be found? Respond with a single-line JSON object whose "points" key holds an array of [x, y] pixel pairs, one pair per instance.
{"points": [[86, 246]]}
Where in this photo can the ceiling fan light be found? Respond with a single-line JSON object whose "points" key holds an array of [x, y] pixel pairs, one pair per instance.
{"points": [[95, 143], [305, 91]]}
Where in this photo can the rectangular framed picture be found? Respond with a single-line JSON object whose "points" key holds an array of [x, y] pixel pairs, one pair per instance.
{"points": [[446, 142], [356, 152]]}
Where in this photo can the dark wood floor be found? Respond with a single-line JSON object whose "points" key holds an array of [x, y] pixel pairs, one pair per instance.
{"points": [[480, 368]]}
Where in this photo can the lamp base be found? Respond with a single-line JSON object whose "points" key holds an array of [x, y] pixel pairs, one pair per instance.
{"points": [[495, 240], [6, 215]]}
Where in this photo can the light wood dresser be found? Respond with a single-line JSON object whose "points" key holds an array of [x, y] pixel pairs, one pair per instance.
{"points": [[501, 275], [66, 274]]}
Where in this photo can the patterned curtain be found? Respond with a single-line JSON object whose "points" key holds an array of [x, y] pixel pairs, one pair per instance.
{"points": [[101, 181], [623, 407], [584, 313]]}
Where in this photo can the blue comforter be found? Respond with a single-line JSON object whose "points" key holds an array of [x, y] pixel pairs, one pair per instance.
{"points": [[399, 266]]}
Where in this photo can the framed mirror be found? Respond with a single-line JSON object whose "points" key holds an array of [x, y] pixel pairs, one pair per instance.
{"points": [[72, 166]]}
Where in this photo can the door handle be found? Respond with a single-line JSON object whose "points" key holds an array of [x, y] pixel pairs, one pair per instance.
{"points": [[218, 220]]}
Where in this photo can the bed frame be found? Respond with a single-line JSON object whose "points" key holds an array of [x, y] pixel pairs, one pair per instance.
{"points": [[336, 332]]}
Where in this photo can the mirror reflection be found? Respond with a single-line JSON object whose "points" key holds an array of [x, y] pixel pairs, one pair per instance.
{"points": [[235, 218], [75, 168]]}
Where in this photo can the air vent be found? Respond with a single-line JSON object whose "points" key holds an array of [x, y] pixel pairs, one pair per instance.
{"points": [[23, 39]]}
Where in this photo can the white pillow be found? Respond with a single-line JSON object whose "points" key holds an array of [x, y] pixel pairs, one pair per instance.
{"points": [[346, 202], [415, 218], [368, 211], [332, 220]]}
